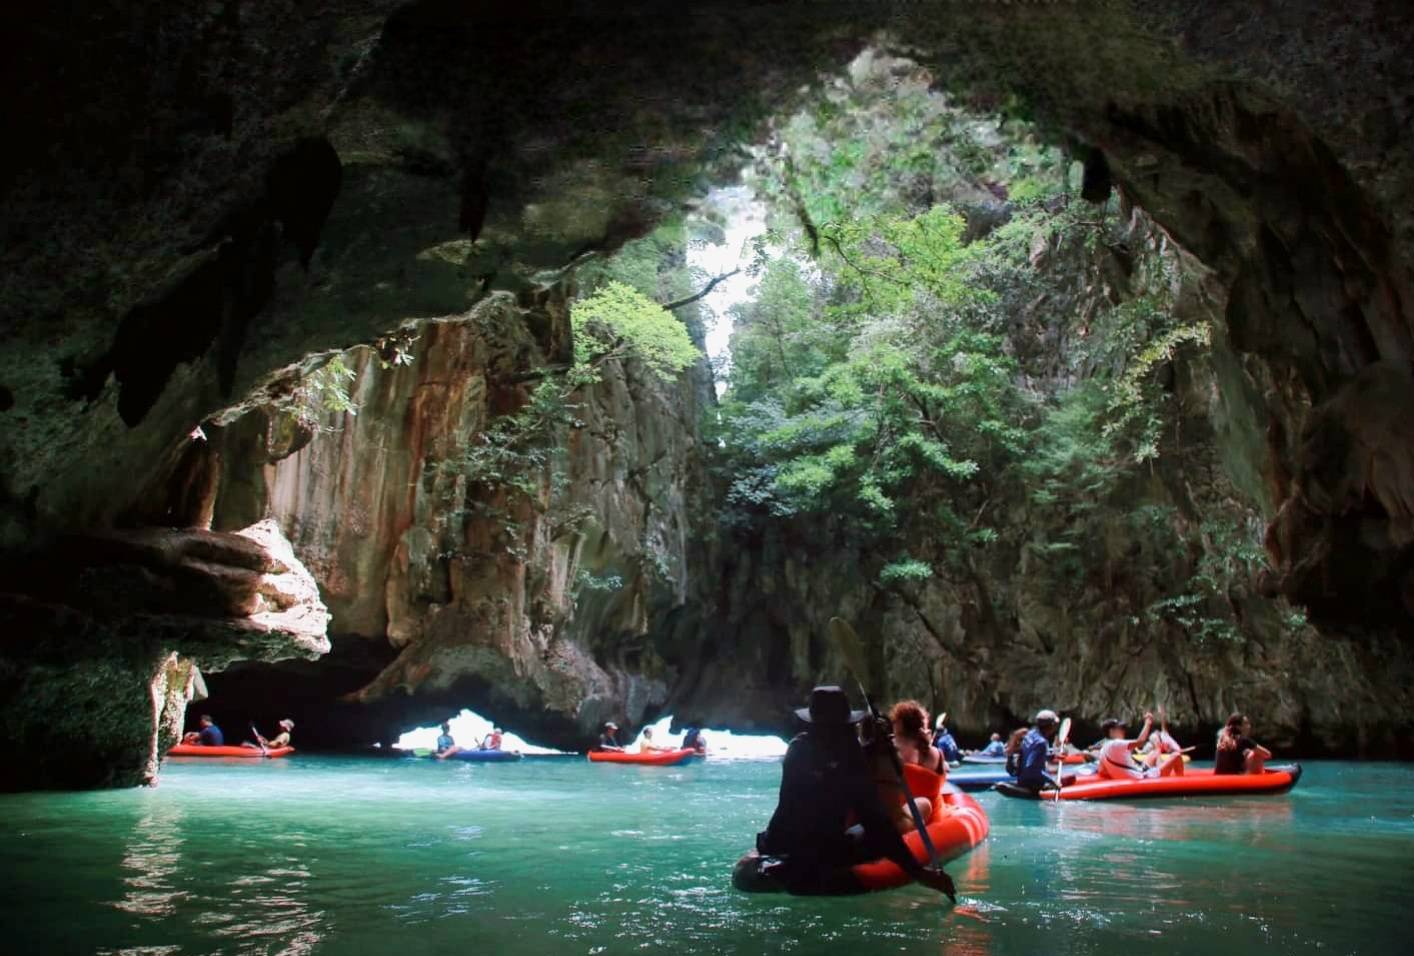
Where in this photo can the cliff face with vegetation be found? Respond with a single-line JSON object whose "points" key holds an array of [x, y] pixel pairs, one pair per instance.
{"points": [[215, 200], [457, 570]]}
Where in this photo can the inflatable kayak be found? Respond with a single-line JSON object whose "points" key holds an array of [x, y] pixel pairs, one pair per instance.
{"points": [[483, 756], [956, 825], [658, 758], [985, 778], [197, 750], [1192, 783], [1069, 760]]}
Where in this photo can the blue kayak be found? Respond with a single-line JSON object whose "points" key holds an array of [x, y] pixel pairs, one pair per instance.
{"points": [[484, 756], [984, 778]]}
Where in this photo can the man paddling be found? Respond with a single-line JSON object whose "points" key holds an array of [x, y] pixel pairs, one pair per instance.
{"points": [[1034, 751], [825, 785], [1115, 753], [943, 740]]}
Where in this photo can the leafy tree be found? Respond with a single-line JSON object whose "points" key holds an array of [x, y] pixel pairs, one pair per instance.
{"points": [[618, 322]]}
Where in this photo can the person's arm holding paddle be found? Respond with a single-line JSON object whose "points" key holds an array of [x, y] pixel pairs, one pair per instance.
{"points": [[847, 643], [879, 829]]}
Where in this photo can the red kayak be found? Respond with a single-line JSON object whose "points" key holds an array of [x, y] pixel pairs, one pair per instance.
{"points": [[197, 750], [657, 758], [957, 824], [1192, 783]]}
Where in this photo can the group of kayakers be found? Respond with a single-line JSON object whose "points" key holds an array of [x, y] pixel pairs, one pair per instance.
{"points": [[446, 746], [842, 798], [692, 739], [209, 735]]}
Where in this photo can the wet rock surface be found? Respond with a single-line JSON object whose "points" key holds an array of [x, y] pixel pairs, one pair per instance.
{"points": [[218, 197], [100, 647]]}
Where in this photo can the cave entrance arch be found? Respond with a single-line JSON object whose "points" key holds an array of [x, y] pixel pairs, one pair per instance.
{"points": [[543, 134]]}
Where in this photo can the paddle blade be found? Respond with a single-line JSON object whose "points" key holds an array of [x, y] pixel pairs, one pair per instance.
{"points": [[849, 646], [1064, 734]]}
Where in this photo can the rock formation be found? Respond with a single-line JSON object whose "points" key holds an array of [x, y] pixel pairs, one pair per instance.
{"points": [[102, 648], [217, 197]]}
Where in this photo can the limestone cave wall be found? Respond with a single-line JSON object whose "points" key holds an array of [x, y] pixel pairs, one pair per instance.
{"points": [[202, 202]]}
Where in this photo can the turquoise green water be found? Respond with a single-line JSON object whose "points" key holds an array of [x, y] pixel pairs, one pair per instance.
{"points": [[343, 856]]}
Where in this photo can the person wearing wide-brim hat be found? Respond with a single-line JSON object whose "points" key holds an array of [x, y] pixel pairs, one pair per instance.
{"points": [[826, 783]]}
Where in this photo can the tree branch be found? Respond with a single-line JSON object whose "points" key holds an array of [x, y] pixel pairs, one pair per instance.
{"points": [[703, 293]]}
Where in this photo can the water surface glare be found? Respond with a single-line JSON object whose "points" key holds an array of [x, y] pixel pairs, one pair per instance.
{"points": [[347, 856]]}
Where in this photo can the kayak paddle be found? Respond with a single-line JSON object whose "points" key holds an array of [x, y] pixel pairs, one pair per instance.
{"points": [[852, 651], [1061, 738], [264, 751]]}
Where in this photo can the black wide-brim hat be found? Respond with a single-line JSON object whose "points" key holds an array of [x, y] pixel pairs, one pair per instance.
{"points": [[830, 706]]}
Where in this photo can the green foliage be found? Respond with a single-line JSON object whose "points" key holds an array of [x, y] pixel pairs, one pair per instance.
{"points": [[616, 321], [905, 570], [586, 581], [326, 389]]}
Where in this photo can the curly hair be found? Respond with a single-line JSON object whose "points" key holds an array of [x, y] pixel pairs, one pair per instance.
{"points": [[911, 720]]}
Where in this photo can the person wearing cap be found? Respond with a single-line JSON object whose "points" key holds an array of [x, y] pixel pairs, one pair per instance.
{"points": [[609, 740], [1117, 751], [492, 740], [943, 740], [282, 739], [827, 784], [446, 746], [1035, 750]]}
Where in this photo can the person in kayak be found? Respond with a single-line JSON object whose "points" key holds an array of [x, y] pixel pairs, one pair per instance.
{"points": [[995, 747], [943, 740], [208, 736], [646, 744], [446, 746], [492, 741], [282, 739], [826, 786], [914, 745], [693, 740], [1237, 751], [609, 739], [1012, 750], [1033, 752], [1161, 744], [1116, 753]]}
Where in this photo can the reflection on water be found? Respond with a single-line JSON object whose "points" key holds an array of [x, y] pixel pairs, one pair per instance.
{"points": [[354, 858], [153, 857], [265, 909]]}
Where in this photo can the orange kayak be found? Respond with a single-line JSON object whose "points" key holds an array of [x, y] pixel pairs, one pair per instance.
{"points": [[658, 758], [1192, 783], [957, 824], [197, 750]]}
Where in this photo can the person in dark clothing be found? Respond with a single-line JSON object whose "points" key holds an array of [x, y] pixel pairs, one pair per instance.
{"points": [[209, 736], [825, 779], [1035, 750], [609, 740], [1238, 752], [692, 740]]}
